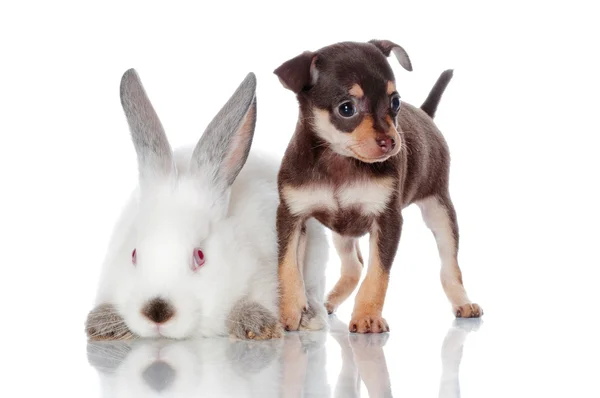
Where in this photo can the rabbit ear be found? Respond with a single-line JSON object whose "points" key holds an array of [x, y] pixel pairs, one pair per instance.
{"points": [[155, 158], [224, 146]]}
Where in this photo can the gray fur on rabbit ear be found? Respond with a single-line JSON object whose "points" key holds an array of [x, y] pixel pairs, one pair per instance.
{"points": [[155, 157], [223, 149]]}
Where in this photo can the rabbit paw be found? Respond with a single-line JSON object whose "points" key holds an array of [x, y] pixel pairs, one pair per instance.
{"points": [[105, 323], [250, 320], [314, 317]]}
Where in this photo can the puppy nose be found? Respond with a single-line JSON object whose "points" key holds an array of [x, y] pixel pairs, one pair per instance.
{"points": [[158, 310], [386, 144]]}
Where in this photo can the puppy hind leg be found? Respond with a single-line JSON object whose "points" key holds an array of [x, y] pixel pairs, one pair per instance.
{"points": [[440, 217], [351, 269]]}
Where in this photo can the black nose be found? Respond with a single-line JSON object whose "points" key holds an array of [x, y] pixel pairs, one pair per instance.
{"points": [[159, 375], [158, 310]]}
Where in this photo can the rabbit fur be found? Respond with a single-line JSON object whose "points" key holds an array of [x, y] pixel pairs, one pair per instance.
{"points": [[217, 197]]}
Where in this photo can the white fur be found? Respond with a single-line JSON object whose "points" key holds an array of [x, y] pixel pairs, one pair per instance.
{"points": [[371, 196], [338, 141], [305, 200], [437, 220], [169, 217], [165, 227]]}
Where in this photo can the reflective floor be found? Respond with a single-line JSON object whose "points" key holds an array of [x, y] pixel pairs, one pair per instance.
{"points": [[300, 365], [520, 117]]}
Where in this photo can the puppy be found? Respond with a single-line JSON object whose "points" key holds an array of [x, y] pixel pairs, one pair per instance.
{"points": [[357, 158]]}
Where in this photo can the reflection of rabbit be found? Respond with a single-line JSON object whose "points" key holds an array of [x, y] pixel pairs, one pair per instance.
{"points": [[452, 350], [204, 367], [195, 250]]}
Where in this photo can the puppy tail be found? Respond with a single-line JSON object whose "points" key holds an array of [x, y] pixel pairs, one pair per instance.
{"points": [[435, 95]]}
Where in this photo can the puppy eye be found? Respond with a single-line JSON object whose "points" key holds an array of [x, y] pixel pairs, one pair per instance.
{"points": [[347, 109], [395, 103], [199, 259], [133, 257]]}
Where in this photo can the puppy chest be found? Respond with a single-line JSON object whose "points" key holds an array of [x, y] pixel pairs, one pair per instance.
{"points": [[346, 222], [365, 198]]}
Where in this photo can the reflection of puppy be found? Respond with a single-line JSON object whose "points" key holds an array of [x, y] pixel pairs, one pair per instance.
{"points": [[304, 360], [357, 158], [452, 350], [348, 382], [209, 367], [362, 359]]}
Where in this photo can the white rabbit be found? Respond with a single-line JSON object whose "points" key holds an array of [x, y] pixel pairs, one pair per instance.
{"points": [[195, 250]]}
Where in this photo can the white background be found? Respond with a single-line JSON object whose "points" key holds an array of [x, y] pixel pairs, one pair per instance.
{"points": [[519, 116]]}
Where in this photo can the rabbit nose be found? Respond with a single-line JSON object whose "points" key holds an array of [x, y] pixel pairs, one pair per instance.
{"points": [[158, 310]]}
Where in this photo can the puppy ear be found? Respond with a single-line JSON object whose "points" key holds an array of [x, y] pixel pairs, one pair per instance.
{"points": [[223, 149], [154, 154], [386, 46], [298, 73]]}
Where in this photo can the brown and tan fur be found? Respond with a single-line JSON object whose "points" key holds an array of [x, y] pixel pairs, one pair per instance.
{"points": [[355, 175]]}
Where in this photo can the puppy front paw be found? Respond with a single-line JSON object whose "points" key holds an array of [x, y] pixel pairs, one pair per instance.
{"points": [[105, 323], [368, 323], [250, 320], [469, 310], [292, 306]]}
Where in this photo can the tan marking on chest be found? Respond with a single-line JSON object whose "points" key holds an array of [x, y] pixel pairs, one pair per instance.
{"points": [[371, 197], [308, 199]]}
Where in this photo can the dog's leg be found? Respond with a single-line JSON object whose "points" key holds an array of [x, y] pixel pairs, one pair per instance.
{"points": [[440, 217], [352, 265], [293, 297], [384, 239]]}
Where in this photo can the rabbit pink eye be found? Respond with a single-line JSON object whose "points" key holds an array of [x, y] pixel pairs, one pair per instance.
{"points": [[133, 257], [198, 259]]}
